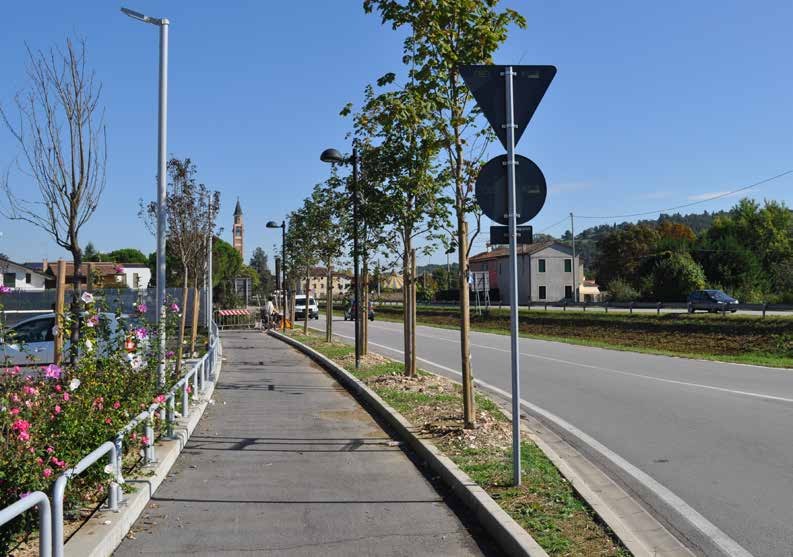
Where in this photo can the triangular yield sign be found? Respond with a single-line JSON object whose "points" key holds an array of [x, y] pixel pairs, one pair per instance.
{"points": [[489, 88]]}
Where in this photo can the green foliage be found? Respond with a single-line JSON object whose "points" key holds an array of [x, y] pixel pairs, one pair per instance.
{"points": [[671, 276], [622, 253], [55, 418], [622, 291], [265, 279], [226, 265]]}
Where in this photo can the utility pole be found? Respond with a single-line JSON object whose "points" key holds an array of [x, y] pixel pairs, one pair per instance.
{"points": [[575, 270]]}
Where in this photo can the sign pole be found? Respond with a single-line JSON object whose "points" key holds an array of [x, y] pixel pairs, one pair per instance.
{"points": [[513, 278]]}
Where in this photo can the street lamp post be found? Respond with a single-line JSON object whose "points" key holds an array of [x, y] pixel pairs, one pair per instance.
{"points": [[334, 157], [161, 186], [282, 226]]}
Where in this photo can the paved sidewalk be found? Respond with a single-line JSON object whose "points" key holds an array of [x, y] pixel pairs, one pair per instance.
{"points": [[288, 463]]}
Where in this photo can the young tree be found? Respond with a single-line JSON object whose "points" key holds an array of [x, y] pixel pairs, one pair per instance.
{"points": [[259, 264], [410, 192], [441, 37], [61, 133], [191, 210], [91, 254]]}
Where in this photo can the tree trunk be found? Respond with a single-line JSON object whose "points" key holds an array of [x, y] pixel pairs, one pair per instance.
{"points": [[407, 314], [306, 314], [365, 309], [74, 339], [329, 305], [182, 323], [196, 310], [292, 304], [469, 413], [413, 350]]}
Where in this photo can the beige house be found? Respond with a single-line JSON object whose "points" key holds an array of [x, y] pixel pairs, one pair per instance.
{"points": [[318, 283], [545, 272]]}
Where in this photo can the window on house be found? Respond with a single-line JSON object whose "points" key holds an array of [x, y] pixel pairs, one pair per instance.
{"points": [[541, 263], [541, 295], [568, 265], [28, 278], [9, 279], [568, 292]]}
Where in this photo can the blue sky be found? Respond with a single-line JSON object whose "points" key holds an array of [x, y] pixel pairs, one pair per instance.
{"points": [[654, 104]]}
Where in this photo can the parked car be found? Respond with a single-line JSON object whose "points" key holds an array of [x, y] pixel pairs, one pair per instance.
{"points": [[32, 341], [350, 313], [300, 307], [711, 301]]}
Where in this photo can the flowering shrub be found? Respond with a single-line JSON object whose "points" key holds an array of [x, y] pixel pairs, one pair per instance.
{"points": [[52, 416]]}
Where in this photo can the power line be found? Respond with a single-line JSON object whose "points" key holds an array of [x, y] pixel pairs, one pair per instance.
{"points": [[719, 196], [554, 225]]}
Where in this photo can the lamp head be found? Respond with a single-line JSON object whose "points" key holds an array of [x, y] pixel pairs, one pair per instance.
{"points": [[332, 156], [273, 224], [144, 18]]}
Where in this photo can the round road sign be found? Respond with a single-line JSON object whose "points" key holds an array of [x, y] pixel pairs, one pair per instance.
{"points": [[530, 189]]}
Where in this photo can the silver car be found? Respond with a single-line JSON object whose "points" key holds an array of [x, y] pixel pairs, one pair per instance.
{"points": [[32, 341]]}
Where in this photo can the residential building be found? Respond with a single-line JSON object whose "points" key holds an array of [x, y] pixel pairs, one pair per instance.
{"points": [[545, 271], [22, 277], [318, 283], [105, 274]]}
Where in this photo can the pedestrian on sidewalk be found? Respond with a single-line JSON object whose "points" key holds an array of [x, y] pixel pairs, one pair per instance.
{"points": [[269, 311]]}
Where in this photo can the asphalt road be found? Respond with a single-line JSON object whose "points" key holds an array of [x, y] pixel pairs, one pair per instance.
{"points": [[718, 435]]}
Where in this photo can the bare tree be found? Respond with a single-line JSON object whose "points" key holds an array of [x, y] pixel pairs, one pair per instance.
{"points": [[191, 212], [61, 132]]}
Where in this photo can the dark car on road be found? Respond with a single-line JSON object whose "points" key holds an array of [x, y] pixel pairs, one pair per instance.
{"points": [[711, 301], [349, 313]]}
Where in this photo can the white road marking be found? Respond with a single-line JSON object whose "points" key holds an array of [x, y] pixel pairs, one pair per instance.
{"points": [[729, 546], [598, 368]]}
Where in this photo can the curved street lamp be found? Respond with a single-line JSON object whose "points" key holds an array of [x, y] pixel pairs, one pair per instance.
{"points": [[282, 226], [333, 156]]}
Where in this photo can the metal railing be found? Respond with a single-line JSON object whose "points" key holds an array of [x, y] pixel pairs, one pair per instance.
{"points": [[195, 380], [762, 308], [39, 500]]}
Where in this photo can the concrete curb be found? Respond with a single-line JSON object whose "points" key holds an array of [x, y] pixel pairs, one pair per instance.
{"points": [[671, 512], [509, 535], [97, 539]]}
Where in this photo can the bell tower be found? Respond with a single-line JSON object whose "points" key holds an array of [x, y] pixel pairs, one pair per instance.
{"points": [[238, 230]]}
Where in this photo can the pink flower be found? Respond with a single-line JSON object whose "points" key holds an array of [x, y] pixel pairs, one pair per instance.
{"points": [[141, 308], [24, 436], [4, 289], [134, 436], [32, 391], [92, 321], [58, 463], [175, 307], [159, 399], [116, 405], [20, 425], [119, 269], [98, 403], [58, 388], [50, 450], [40, 461], [47, 472], [66, 397], [31, 450], [169, 354], [108, 421], [52, 372], [141, 333], [144, 440], [57, 409], [14, 411]]}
